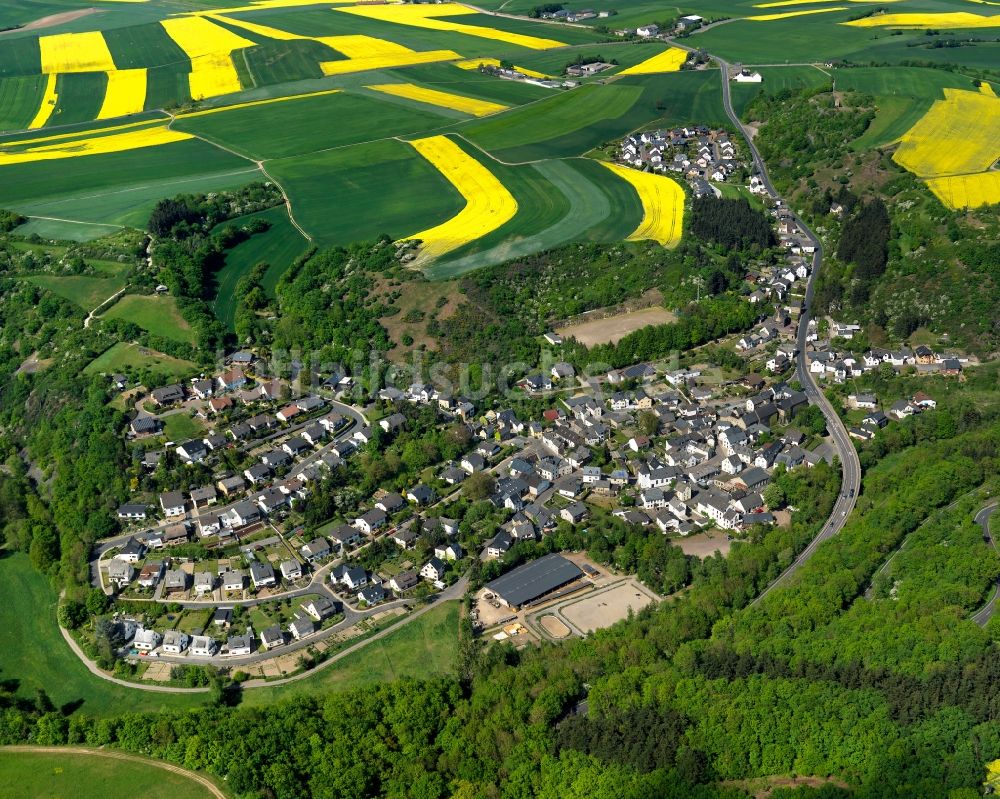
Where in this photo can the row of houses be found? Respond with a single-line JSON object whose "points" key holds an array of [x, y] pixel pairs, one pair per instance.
{"points": [[698, 153], [830, 363]]}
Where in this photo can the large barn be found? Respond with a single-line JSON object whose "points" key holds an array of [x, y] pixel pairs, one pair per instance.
{"points": [[526, 584]]}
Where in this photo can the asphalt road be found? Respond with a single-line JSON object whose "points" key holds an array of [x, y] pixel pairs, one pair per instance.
{"points": [[982, 616], [850, 466]]}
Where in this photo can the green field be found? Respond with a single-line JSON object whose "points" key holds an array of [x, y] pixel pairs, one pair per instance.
{"points": [[121, 357], [295, 127], [361, 191], [34, 775], [574, 122], [424, 648], [85, 290], [19, 100], [159, 315], [34, 655], [279, 246], [448, 77], [79, 98]]}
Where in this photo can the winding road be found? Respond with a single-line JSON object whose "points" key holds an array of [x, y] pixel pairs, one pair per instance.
{"points": [[850, 466], [984, 614]]}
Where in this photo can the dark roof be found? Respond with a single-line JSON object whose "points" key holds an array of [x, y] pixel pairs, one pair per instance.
{"points": [[534, 579]]}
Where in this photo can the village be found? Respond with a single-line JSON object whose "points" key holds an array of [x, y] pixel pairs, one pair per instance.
{"points": [[686, 452], [698, 153]]}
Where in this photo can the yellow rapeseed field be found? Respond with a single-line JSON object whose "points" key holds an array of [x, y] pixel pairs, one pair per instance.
{"points": [[967, 191], [957, 135], [488, 204], [942, 21], [784, 3], [428, 16], [126, 93], [209, 47], [48, 104], [405, 59], [456, 102], [97, 145], [669, 60], [360, 46], [662, 205], [987, 89], [790, 14], [475, 63], [75, 52]]}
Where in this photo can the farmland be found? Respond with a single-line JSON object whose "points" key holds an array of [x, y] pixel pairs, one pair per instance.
{"points": [[325, 98]]}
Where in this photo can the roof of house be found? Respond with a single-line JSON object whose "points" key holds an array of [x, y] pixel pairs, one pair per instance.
{"points": [[534, 579]]}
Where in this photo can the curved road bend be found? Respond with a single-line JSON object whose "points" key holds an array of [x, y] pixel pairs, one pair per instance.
{"points": [[850, 466], [205, 782], [982, 616]]}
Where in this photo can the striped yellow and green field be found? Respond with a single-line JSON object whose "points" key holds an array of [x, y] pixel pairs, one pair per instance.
{"points": [[157, 314]]}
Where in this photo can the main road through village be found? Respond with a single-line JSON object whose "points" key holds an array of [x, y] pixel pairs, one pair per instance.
{"points": [[849, 464]]}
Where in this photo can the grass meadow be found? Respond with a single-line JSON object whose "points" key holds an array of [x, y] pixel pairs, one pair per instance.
{"points": [[86, 291], [124, 356], [33, 775], [425, 647], [157, 314], [34, 655]]}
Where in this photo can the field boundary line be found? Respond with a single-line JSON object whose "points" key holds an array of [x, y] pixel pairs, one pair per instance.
{"points": [[117, 755], [75, 221], [262, 169]]}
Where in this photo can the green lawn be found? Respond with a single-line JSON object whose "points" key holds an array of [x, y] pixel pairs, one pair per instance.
{"points": [[85, 290], [425, 647], [34, 654], [180, 427], [30, 775], [157, 314], [279, 246], [123, 356]]}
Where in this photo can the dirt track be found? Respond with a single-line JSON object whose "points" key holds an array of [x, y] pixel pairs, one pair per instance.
{"points": [[210, 786]]}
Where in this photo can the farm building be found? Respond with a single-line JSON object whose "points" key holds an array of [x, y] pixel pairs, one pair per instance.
{"points": [[526, 584]]}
